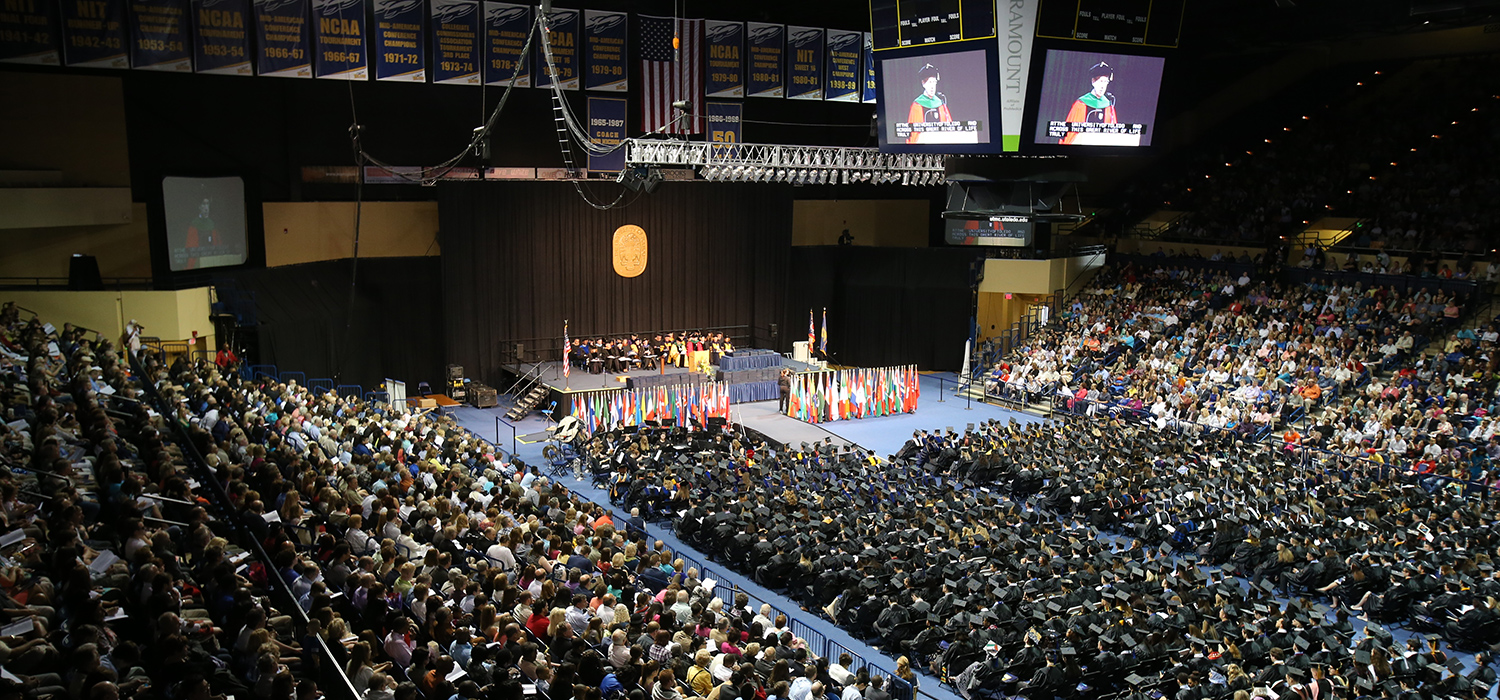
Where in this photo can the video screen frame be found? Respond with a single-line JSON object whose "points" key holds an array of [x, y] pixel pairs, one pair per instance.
{"points": [[901, 103], [1116, 95]]}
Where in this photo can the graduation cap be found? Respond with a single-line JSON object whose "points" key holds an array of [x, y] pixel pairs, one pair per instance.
{"points": [[1455, 664], [1362, 656], [1134, 679], [1301, 643], [1363, 683]]}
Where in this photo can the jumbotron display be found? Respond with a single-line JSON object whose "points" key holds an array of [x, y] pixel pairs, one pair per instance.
{"points": [[912, 23], [1098, 99], [937, 99], [1007, 230]]}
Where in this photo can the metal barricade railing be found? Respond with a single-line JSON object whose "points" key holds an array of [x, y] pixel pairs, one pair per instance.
{"points": [[320, 386], [350, 390], [377, 396], [268, 371], [289, 377]]}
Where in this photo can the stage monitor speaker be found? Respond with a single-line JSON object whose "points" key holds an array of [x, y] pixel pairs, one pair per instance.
{"points": [[83, 274], [455, 372]]}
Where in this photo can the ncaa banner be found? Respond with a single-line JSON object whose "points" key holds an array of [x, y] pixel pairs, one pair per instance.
{"points": [[726, 68], [94, 34], [506, 26], [870, 92], [340, 28], [400, 45], [767, 58], [724, 121], [845, 66], [283, 40], [28, 33], [607, 128], [1015, 27], [159, 35], [455, 42], [604, 44], [564, 42], [221, 37], [804, 79]]}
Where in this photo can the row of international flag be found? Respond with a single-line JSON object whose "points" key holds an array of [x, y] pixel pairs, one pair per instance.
{"points": [[680, 405], [820, 397]]}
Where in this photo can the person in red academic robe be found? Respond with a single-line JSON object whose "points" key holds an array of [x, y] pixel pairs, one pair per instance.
{"points": [[930, 106], [1096, 106]]}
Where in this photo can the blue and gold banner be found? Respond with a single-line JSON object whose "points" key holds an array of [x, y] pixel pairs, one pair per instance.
{"points": [[340, 27], [28, 33], [159, 35], [605, 48], [455, 42], [607, 128], [564, 39], [846, 66], [94, 34], [506, 26], [726, 65], [221, 37], [283, 41], [400, 46], [869, 72], [804, 75], [767, 59], [724, 121]]}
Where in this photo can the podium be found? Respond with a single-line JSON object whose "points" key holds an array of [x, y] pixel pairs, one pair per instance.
{"points": [[800, 352]]}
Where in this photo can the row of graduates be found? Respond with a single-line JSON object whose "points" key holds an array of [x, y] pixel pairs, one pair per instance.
{"points": [[1071, 542], [622, 354]]}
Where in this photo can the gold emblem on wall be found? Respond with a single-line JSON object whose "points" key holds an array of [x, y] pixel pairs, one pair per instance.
{"points": [[630, 250]]}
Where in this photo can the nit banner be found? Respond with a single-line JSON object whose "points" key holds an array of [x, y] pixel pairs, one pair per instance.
{"points": [[455, 42], [282, 37], [767, 59], [400, 45], [726, 68], [28, 33], [607, 128], [94, 34], [805, 71], [604, 46], [159, 35], [221, 37], [340, 28]]}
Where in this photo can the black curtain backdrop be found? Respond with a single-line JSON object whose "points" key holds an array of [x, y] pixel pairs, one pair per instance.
{"points": [[304, 319], [518, 258], [886, 306]]}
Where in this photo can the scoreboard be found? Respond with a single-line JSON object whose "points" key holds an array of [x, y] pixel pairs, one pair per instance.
{"points": [[899, 24], [1136, 22]]}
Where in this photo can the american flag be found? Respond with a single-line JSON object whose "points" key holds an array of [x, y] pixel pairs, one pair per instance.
{"points": [[670, 75]]}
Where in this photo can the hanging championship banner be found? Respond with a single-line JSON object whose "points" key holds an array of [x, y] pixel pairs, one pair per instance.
{"points": [[284, 44], [94, 34], [805, 69], [400, 45], [607, 128], [564, 42], [767, 59], [506, 26], [455, 42], [339, 26], [724, 121], [221, 38], [159, 35], [28, 33], [869, 72], [604, 46], [726, 68], [846, 66]]}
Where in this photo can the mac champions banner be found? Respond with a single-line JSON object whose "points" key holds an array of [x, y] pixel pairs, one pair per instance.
{"points": [[400, 45], [455, 42], [845, 66], [604, 48], [1015, 26], [340, 28], [767, 59], [159, 35], [726, 67], [283, 40], [564, 43], [607, 128], [506, 26], [94, 34], [805, 71], [221, 37], [28, 33]]}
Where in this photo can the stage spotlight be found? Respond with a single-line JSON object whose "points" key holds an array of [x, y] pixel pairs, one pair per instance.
{"points": [[906, 178], [707, 173], [781, 175]]}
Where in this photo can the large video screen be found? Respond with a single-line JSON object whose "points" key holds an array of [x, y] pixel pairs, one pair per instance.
{"points": [[935, 99], [1098, 99], [1007, 231], [205, 221]]}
